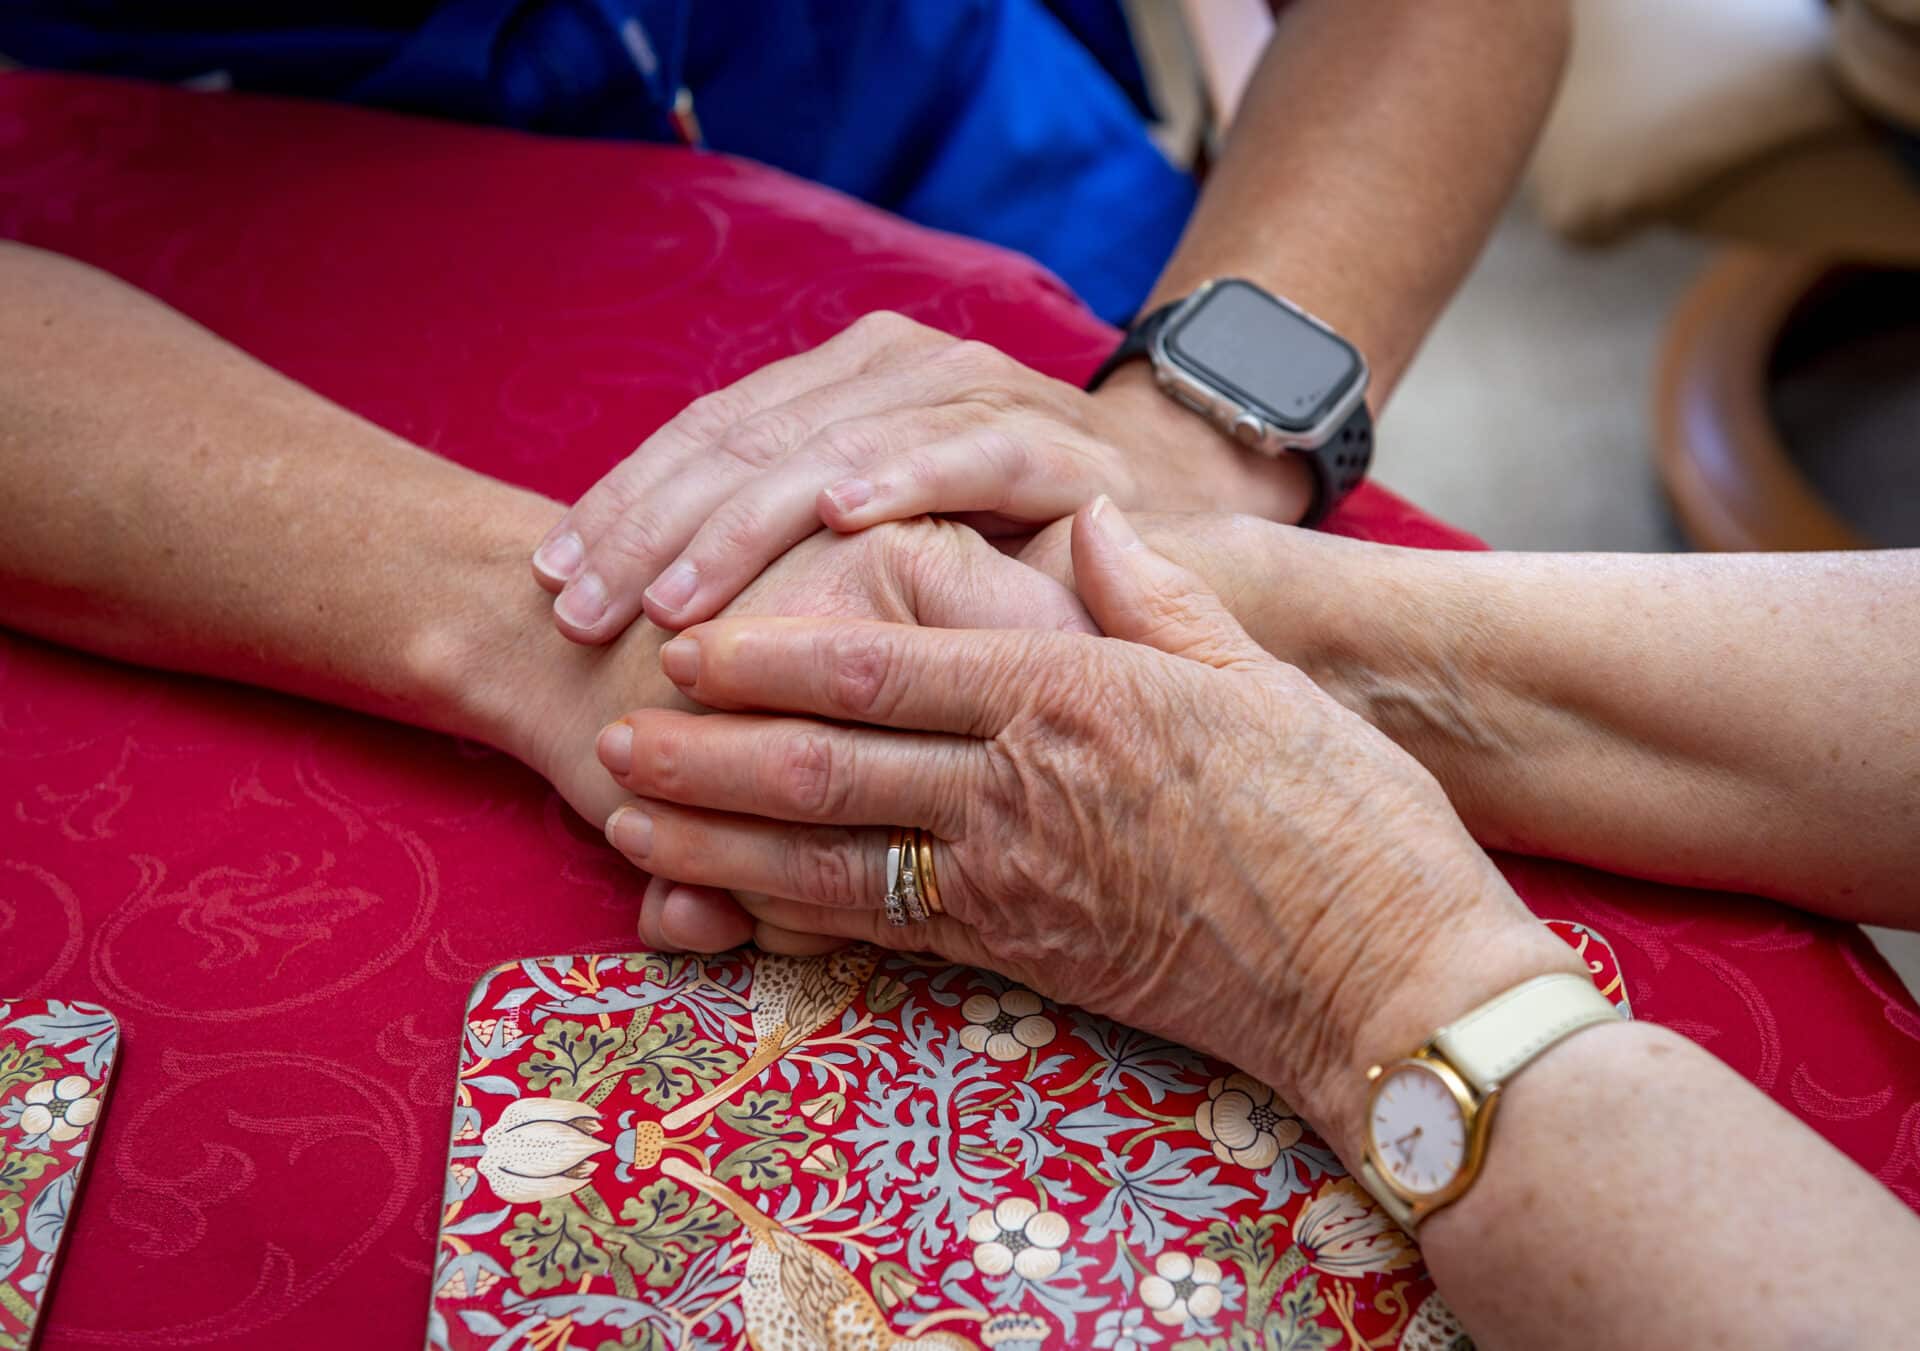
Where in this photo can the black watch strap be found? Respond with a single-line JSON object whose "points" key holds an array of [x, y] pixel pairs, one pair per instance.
{"points": [[1337, 467], [1134, 346], [1340, 465]]}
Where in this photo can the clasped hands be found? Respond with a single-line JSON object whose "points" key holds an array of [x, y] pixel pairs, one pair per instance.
{"points": [[1137, 808]]}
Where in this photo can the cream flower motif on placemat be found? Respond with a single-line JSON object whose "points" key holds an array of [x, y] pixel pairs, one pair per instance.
{"points": [[59, 1110], [1181, 1287], [1006, 1027], [1246, 1122], [541, 1148], [1344, 1231], [1017, 1235]]}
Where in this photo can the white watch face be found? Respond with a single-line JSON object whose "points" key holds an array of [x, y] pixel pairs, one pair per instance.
{"points": [[1419, 1136]]}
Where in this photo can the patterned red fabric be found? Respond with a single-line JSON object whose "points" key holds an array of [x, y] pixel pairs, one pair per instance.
{"points": [[286, 905], [791, 1144]]}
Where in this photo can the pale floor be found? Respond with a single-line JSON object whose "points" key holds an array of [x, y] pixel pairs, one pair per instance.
{"points": [[1526, 418]]}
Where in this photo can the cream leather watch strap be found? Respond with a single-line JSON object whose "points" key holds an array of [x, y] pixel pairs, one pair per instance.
{"points": [[1503, 1034]]}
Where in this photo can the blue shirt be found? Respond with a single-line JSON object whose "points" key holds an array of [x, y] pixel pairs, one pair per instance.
{"points": [[1021, 122]]}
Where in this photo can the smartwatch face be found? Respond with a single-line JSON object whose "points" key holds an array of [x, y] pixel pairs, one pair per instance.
{"points": [[1287, 369]]}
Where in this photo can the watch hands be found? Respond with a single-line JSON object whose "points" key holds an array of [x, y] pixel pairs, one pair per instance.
{"points": [[1405, 1145]]}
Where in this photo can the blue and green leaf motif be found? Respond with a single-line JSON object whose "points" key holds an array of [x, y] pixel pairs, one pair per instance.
{"points": [[672, 1062], [22, 1065], [47, 1216], [554, 1247], [18, 1167], [779, 1136], [656, 1235], [89, 1026]]}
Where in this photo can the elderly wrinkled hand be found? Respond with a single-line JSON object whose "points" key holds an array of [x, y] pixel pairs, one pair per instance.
{"points": [[889, 420], [1166, 824], [908, 572]]}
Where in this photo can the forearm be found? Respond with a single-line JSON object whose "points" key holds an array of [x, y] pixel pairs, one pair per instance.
{"points": [[167, 500], [1745, 722], [1366, 165], [1748, 723], [1637, 1192], [1371, 156]]}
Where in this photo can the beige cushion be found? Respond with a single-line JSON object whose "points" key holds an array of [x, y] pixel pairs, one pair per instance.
{"points": [[1664, 97], [1843, 197]]}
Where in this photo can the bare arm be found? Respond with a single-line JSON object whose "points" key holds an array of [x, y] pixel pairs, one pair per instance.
{"points": [[1372, 154], [1750, 723], [1745, 722], [1639, 1193], [168, 500]]}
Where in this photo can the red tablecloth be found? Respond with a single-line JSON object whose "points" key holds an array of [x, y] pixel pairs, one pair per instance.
{"points": [[286, 904]]}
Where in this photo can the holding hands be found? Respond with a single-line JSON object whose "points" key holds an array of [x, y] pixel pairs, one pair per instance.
{"points": [[888, 420], [1157, 824]]}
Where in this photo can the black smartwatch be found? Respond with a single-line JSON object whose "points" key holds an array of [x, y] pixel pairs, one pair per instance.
{"points": [[1265, 372]]}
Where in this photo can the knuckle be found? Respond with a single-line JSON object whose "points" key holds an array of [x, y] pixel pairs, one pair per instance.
{"points": [[860, 674], [823, 870], [1007, 449], [973, 355], [637, 537], [732, 532], [659, 765], [758, 441], [809, 774], [849, 445], [962, 362], [708, 416], [882, 326], [616, 491], [924, 471]]}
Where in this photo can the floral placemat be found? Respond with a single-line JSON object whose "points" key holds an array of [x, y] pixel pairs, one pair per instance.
{"points": [[55, 1062], [869, 1150]]}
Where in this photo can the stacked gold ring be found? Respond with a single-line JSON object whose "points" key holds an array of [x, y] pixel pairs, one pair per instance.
{"points": [[912, 894], [923, 874]]}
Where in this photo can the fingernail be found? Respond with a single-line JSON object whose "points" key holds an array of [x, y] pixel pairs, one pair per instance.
{"points": [[616, 747], [630, 830], [561, 556], [674, 587], [855, 492], [1112, 523], [680, 659], [583, 602]]}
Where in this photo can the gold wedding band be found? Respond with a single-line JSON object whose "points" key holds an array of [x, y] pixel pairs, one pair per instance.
{"points": [[929, 888], [911, 893]]}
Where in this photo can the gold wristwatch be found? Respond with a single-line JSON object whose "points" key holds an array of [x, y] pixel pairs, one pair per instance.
{"points": [[1429, 1115]]}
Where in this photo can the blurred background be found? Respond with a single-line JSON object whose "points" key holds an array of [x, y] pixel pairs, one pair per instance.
{"points": [[1698, 325]]}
